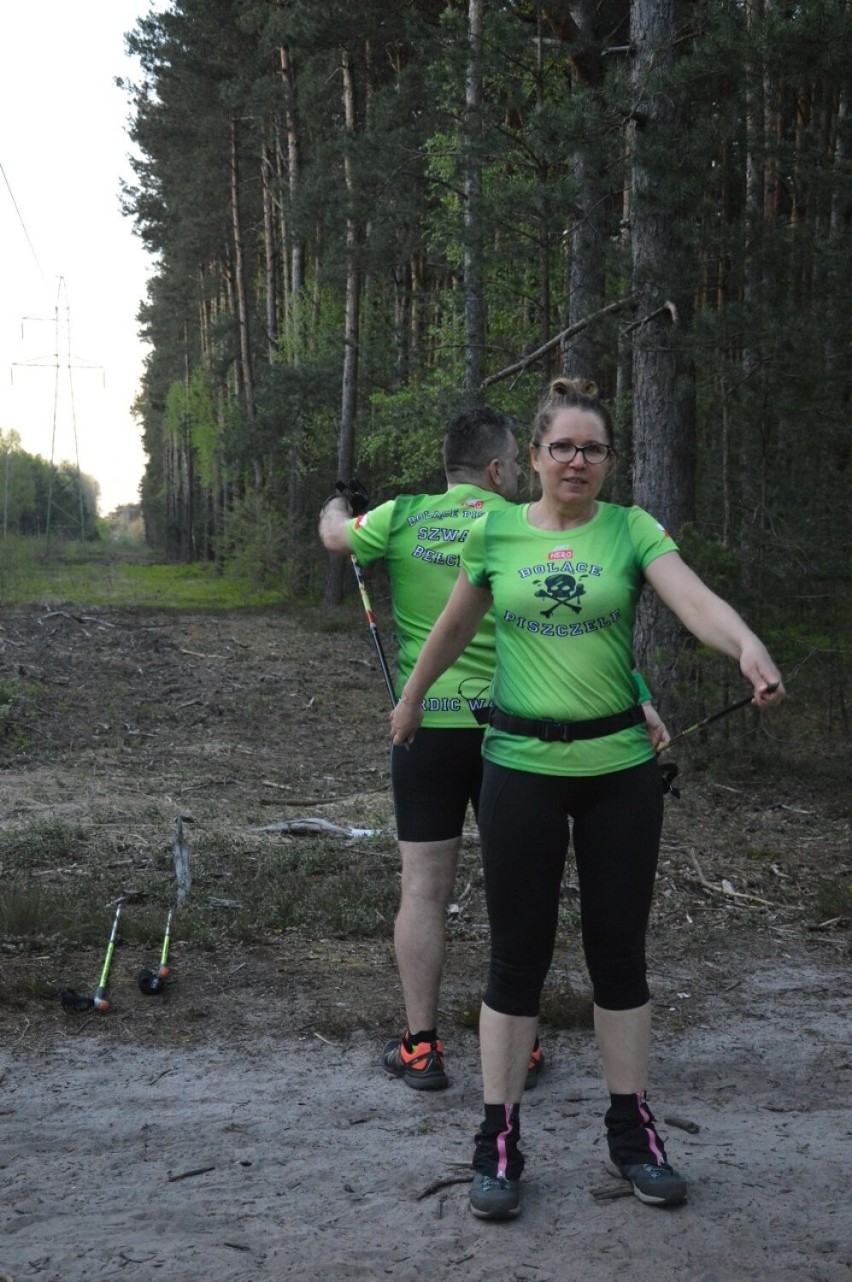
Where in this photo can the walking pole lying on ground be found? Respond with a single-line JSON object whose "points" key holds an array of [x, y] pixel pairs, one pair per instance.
{"points": [[72, 1000], [374, 629], [155, 981], [715, 716]]}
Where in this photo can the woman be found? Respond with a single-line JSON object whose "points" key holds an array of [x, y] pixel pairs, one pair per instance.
{"points": [[566, 742]]}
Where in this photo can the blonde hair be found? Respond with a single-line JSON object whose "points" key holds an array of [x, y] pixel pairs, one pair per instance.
{"points": [[570, 393]]}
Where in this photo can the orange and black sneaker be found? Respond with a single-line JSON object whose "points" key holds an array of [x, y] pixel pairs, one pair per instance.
{"points": [[420, 1065], [535, 1068]]}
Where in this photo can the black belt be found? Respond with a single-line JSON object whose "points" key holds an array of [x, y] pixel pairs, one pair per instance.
{"points": [[566, 731]]}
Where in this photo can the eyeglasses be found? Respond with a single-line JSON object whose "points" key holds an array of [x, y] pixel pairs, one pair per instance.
{"points": [[566, 451]]}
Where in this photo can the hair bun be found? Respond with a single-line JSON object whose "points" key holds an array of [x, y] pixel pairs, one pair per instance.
{"points": [[574, 387]]}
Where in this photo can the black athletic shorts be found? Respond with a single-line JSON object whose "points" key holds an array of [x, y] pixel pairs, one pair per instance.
{"points": [[433, 780]]}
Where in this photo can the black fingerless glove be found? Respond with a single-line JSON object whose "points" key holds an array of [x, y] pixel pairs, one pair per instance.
{"points": [[354, 493]]}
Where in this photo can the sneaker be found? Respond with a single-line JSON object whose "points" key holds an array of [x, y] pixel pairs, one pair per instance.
{"points": [[421, 1067], [656, 1185], [494, 1197], [535, 1068]]}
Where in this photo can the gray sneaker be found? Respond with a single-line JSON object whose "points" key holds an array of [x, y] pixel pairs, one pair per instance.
{"points": [[658, 1185], [493, 1197]]}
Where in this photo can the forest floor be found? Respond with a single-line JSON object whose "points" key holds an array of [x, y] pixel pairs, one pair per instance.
{"points": [[237, 1126]]}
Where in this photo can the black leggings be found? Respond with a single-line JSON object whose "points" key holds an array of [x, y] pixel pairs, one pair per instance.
{"points": [[524, 825]]}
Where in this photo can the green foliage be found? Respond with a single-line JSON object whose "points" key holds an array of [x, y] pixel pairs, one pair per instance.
{"points": [[133, 585], [403, 440], [377, 205], [41, 499], [255, 546]]}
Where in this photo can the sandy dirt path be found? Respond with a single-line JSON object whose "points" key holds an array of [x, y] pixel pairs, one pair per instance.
{"points": [[298, 1159]]}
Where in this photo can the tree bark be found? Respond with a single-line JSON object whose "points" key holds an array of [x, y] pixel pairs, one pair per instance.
{"points": [[270, 252], [757, 201], [663, 390], [589, 221], [295, 310], [474, 301], [241, 295], [346, 435]]}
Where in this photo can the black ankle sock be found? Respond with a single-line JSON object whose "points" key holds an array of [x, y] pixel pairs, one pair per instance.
{"points": [[425, 1035]]}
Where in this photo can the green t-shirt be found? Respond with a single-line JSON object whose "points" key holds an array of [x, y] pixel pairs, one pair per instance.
{"points": [[420, 537], [564, 609]]}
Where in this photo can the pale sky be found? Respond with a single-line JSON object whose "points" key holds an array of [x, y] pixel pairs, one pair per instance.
{"points": [[64, 149]]}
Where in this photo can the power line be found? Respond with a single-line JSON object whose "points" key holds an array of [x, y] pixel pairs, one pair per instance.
{"points": [[21, 221], [67, 362]]}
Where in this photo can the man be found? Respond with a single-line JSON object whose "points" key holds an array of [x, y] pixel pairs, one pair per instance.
{"points": [[419, 537]]}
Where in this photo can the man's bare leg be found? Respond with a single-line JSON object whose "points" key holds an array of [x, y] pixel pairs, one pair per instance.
{"points": [[428, 875]]}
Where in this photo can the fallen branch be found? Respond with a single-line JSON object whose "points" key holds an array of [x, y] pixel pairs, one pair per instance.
{"points": [[188, 1175], [437, 1185], [309, 827], [728, 891], [668, 307], [180, 854], [577, 328], [683, 1123], [609, 1192]]}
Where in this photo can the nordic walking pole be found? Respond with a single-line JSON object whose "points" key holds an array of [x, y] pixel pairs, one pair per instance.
{"points": [[154, 981], [99, 1001], [72, 1000], [374, 629], [715, 716]]}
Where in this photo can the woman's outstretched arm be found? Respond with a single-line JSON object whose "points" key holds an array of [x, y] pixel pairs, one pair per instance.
{"points": [[715, 623]]}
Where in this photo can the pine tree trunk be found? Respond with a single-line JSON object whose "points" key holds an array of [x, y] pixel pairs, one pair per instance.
{"points": [[589, 226], [270, 252], [757, 197], [241, 297], [346, 436], [295, 317], [663, 392], [474, 302]]}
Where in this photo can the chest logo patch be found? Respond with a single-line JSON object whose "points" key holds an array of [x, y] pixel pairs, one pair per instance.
{"points": [[561, 589]]}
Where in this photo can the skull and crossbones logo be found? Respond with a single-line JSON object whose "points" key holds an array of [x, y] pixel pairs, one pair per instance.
{"points": [[561, 589]]}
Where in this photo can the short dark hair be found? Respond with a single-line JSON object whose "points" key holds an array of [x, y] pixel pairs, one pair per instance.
{"points": [[474, 437]]}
